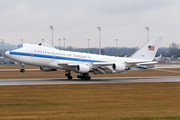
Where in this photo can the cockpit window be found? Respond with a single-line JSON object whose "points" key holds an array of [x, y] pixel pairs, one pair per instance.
{"points": [[20, 45]]}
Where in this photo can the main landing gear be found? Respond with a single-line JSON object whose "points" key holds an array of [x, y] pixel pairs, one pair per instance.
{"points": [[68, 75], [84, 76], [22, 68]]}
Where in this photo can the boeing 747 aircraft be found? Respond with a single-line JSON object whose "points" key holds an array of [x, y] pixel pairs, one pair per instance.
{"points": [[49, 58]]}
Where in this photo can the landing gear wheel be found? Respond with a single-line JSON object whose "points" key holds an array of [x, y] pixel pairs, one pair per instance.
{"points": [[84, 76], [88, 78], [79, 76], [22, 70], [68, 75]]}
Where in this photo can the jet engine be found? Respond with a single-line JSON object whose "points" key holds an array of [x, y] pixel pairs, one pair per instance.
{"points": [[82, 68], [118, 67], [47, 69]]}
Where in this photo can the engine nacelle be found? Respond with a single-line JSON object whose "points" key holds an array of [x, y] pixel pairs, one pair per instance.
{"points": [[82, 68], [118, 67], [46, 69]]}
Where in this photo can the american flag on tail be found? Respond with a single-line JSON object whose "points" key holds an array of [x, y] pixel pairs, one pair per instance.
{"points": [[151, 48]]}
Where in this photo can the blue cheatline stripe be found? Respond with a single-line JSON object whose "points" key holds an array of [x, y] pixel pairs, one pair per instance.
{"points": [[53, 57]]}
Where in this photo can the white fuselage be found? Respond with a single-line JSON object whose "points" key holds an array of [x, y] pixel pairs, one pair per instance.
{"points": [[45, 56]]}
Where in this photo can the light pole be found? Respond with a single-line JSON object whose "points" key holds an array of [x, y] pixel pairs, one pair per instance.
{"points": [[99, 28], [147, 28], [64, 42], [116, 46], [42, 40], [51, 27], [59, 43], [2, 50], [22, 41], [88, 44]]}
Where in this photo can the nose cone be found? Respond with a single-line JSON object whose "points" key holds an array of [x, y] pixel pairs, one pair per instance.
{"points": [[7, 53]]}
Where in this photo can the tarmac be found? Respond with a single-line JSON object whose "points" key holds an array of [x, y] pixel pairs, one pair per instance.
{"points": [[8, 82], [53, 81]]}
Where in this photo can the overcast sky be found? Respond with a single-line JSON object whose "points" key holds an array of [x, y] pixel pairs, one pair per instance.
{"points": [[77, 21]]}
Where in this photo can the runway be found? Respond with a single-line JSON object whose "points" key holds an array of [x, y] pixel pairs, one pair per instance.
{"points": [[157, 66], [92, 81]]}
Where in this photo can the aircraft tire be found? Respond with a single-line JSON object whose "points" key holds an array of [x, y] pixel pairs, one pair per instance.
{"points": [[88, 78], [67, 74], [79, 76], [22, 70], [69, 77]]}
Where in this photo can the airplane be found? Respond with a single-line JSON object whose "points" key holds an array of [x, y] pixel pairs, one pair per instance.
{"points": [[158, 58], [48, 58], [169, 58], [161, 58]]}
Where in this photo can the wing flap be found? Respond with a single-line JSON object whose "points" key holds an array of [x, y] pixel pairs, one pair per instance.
{"points": [[102, 64], [67, 64]]}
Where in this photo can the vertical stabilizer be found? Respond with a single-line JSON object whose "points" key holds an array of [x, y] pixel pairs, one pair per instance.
{"points": [[148, 51]]}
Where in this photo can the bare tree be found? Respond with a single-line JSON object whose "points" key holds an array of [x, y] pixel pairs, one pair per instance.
{"points": [[174, 49]]}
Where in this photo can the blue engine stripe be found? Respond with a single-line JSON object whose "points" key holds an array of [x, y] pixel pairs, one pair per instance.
{"points": [[53, 57]]}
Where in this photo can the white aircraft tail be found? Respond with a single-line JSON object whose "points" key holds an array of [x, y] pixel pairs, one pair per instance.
{"points": [[148, 51]]}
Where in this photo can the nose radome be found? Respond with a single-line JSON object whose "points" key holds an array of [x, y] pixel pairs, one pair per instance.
{"points": [[7, 53]]}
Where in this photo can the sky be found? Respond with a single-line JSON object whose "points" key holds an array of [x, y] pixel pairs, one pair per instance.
{"points": [[77, 21]]}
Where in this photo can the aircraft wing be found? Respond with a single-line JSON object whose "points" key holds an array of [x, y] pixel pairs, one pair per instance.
{"points": [[106, 67], [67, 64], [133, 64], [143, 65], [102, 64], [96, 67]]}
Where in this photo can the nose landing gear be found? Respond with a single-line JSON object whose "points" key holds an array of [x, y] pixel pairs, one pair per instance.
{"points": [[22, 68]]}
